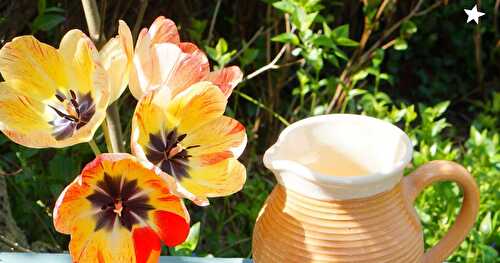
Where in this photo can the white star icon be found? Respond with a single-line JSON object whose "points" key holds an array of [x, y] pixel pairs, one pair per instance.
{"points": [[473, 14]]}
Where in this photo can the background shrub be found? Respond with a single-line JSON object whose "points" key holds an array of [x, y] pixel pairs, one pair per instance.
{"points": [[414, 63]]}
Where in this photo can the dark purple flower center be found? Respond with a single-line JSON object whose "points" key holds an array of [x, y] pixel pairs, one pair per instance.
{"points": [[117, 198], [166, 152], [73, 113]]}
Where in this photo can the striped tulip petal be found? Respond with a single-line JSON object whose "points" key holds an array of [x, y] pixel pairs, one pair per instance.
{"points": [[187, 139], [116, 57], [51, 97], [117, 210], [158, 64]]}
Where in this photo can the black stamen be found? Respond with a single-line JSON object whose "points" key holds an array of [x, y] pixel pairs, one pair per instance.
{"points": [[116, 192], [73, 95], [75, 106], [60, 98], [192, 146], [84, 108], [166, 155]]}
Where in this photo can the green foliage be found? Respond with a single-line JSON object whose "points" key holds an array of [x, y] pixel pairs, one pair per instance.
{"points": [[423, 79], [48, 17]]}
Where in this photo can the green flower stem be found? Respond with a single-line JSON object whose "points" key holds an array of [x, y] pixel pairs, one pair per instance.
{"points": [[112, 126], [93, 20], [94, 147], [113, 129]]}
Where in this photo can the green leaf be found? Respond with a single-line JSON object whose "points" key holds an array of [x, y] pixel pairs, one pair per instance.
{"points": [[47, 22], [408, 28], [287, 38], [355, 92], [441, 107], [285, 6], [54, 9], [332, 59], [341, 31], [324, 41], [378, 57], [476, 136], [362, 74], [212, 53], [400, 44], [221, 46], [42, 4], [341, 54], [296, 51], [248, 56], [326, 29], [301, 20], [343, 41], [192, 240], [306, 24], [485, 226]]}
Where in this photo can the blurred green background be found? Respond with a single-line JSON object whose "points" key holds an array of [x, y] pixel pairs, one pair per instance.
{"points": [[415, 63]]}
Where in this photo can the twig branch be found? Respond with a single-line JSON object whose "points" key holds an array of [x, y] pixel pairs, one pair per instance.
{"points": [[386, 34], [269, 66], [140, 17], [495, 20], [429, 9], [261, 105], [247, 45], [14, 245], [93, 20], [114, 132], [214, 18]]}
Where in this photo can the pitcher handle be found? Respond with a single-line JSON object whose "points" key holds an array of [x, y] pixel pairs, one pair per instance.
{"points": [[436, 171]]}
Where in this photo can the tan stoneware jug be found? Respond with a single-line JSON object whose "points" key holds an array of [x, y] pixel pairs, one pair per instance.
{"points": [[342, 197]]}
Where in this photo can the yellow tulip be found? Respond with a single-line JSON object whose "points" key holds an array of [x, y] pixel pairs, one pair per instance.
{"points": [[116, 210], [187, 139], [52, 97], [116, 56]]}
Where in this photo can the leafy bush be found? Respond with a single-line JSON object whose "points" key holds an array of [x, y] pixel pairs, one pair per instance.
{"points": [[412, 63]]}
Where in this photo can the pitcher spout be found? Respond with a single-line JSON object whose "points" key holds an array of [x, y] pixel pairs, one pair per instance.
{"points": [[334, 157]]}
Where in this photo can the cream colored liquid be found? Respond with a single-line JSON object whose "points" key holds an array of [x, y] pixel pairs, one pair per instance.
{"points": [[329, 162]]}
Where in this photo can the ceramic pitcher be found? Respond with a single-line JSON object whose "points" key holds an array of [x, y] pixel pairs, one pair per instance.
{"points": [[342, 197]]}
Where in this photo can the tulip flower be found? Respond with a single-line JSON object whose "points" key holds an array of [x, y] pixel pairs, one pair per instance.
{"points": [[161, 59], [116, 56], [188, 140], [117, 210], [52, 97]]}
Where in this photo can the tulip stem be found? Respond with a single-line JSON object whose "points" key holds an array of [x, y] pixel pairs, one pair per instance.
{"points": [[113, 131], [112, 126], [94, 147], [93, 20]]}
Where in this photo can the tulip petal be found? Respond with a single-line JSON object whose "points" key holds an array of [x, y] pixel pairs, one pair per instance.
{"points": [[152, 66], [116, 56], [195, 106], [87, 246], [148, 212], [163, 30], [173, 229], [190, 68], [147, 245], [19, 112], [188, 47], [222, 137], [220, 179], [226, 78], [33, 65]]}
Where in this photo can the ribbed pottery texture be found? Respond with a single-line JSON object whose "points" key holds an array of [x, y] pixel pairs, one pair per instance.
{"points": [[295, 228]]}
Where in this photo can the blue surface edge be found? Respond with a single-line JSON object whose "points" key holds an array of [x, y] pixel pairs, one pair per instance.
{"points": [[65, 258]]}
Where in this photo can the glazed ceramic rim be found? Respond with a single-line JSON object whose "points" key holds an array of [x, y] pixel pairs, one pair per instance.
{"points": [[301, 170]]}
